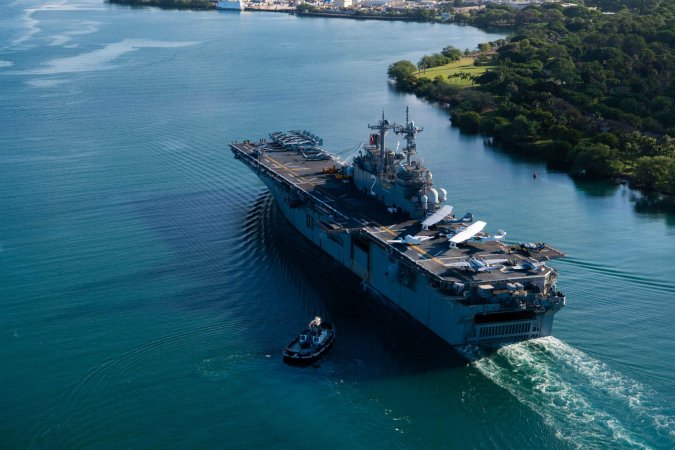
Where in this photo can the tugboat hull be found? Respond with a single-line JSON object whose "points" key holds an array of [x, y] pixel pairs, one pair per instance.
{"points": [[292, 357], [310, 344]]}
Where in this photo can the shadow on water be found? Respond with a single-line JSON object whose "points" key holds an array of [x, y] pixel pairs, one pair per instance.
{"points": [[512, 155], [246, 258], [596, 188], [655, 205], [648, 204], [374, 338], [396, 92], [203, 233]]}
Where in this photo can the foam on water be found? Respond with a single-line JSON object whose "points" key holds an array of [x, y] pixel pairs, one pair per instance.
{"points": [[46, 82], [100, 59], [30, 26], [65, 39], [588, 404]]}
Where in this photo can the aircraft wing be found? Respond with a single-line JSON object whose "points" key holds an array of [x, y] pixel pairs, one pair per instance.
{"points": [[468, 232], [410, 240], [423, 238], [437, 216]]}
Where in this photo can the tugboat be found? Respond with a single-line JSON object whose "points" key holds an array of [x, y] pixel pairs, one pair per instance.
{"points": [[311, 343]]}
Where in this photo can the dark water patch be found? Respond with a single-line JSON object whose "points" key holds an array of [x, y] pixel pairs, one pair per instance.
{"points": [[659, 205], [215, 242], [596, 188], [109, 296], [136, 377], [367, 328], [197, 222]]}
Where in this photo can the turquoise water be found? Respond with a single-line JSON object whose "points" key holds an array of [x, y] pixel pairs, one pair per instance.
{"points": [[148, 283]]}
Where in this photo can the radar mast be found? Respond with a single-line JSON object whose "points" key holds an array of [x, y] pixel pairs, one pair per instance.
{"points": [[409, 132], [383, 126]]}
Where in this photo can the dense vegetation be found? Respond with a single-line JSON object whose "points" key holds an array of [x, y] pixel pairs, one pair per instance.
{"points": [[412, 14], [589, 92]]}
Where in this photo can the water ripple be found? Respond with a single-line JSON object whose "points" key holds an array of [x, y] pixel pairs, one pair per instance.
{"points": [[632, 278]]}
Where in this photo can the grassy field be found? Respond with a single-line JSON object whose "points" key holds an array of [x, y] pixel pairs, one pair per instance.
{"points": [[463, 65]]}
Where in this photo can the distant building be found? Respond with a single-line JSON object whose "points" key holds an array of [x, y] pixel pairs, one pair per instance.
{"points": [[382, 3], [519, 4], [343, 3]]}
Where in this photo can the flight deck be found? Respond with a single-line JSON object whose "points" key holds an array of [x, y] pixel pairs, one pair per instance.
{"points": [[321, 179]]}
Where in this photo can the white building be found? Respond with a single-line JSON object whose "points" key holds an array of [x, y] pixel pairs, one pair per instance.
{"points": [[383, 3]]}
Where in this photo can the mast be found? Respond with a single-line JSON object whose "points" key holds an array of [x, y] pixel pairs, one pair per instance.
{"points": [[383, 127], [409, 132]]}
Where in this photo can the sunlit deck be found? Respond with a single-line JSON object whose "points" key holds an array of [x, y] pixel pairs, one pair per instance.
{"points": [[348, 209]]}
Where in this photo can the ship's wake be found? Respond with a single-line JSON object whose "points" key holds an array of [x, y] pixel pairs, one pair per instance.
{"points": [[588, 404]]}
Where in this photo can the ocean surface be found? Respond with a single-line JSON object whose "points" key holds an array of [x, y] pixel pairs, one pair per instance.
{"points": [[148, 281]]}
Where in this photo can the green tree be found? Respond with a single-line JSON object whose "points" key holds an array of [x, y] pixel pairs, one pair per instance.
{"points": [[595, 160], [401, 71], [433, 60], [485, 47], [655, 172], [493, 125], [563, 69], [521, 129], [469, 122], [452, 53]]}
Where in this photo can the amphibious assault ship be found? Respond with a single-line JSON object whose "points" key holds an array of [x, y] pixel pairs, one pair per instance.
{"points": [[378, 214]]}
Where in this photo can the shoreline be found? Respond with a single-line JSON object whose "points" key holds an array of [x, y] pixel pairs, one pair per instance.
{"points": [[205, 5], [342, 15], [572, 167]]}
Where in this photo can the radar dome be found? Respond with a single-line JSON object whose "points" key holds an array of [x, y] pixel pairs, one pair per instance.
{"points": [[433, 195]]}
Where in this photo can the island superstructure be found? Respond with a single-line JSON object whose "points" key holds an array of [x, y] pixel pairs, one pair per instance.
{"points": [[379, 215]]}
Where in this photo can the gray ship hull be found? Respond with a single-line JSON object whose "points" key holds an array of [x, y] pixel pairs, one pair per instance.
{"points": [[389, 274]]}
